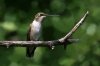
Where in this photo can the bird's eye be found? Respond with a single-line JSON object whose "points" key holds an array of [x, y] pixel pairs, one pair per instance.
{"points": [[41, 14]]}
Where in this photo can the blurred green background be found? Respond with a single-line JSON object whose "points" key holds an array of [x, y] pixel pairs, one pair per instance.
{"points": [[16, 15]]}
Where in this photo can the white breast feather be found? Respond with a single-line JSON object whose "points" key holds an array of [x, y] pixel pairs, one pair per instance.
{"points": [[36, 27]]}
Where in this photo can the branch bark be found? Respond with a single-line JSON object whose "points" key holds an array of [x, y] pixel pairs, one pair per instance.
{"points": [[60, 41]]}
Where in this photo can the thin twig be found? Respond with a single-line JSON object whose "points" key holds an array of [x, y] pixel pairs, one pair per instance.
{"points": [[74, 28]]}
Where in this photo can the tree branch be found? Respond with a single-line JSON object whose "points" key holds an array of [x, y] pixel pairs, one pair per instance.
{"points": [[60, 41], [74, 28]]}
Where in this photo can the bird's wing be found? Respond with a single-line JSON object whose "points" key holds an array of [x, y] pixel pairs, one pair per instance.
{"points": [[29, 50], [28, 33]]}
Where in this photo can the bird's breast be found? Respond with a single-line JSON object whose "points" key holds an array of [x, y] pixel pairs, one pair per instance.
{"points": [[35, 30], [36, 26]]}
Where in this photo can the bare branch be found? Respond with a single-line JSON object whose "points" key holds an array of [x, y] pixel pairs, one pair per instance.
{"points": [[74, 28], [33, 43], [46, 43]]}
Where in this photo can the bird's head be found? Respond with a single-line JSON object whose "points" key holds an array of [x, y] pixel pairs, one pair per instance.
{"points": [[39, 16]]}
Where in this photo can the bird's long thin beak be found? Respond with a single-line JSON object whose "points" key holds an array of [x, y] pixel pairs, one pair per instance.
{"points": [[52, 15]]}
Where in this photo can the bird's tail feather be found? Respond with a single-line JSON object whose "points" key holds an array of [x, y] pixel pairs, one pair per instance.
{"points": [[30, 51]]}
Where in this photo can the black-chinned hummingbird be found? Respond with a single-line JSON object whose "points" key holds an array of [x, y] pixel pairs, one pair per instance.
{"points": [[34, 32]]}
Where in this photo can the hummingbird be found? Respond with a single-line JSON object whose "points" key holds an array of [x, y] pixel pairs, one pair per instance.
{"points": [[34, 31]]}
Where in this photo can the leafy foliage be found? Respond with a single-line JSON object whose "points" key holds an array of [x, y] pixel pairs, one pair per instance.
{"points": [[16, 15]]}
